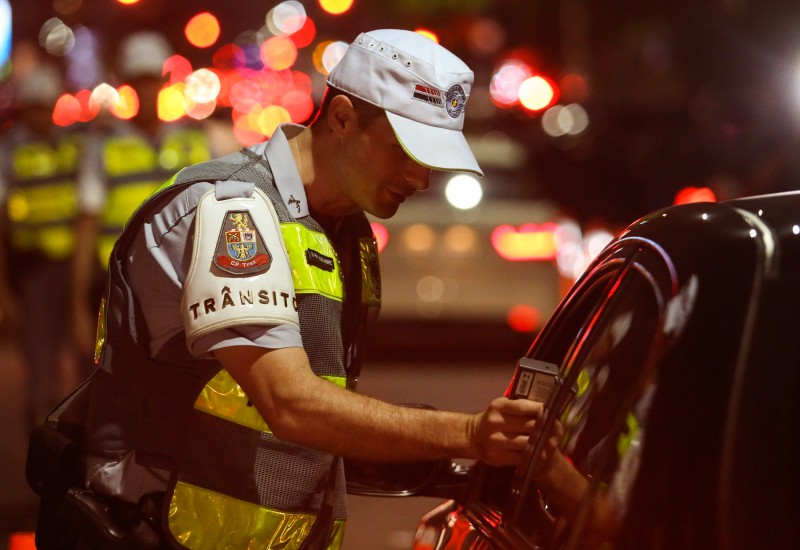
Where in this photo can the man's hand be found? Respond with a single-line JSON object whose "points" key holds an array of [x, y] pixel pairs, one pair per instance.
{"points": [[500, 434]]}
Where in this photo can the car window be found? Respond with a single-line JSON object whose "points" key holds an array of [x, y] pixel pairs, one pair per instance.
{"points": [[491, 485], [601, 406]]}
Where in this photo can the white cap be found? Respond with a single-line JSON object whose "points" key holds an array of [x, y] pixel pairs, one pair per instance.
{"points": [[422, 87], [40, 86], [143, 54]]}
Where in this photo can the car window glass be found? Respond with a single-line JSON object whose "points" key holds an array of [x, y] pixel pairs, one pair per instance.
{"points": [[599, 410], [491, 485]]}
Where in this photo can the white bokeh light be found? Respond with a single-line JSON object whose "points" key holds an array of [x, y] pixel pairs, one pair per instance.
{"points": [[463, 191], [202, 86]]}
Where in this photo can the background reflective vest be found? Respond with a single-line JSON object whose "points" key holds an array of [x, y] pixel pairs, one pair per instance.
{"points": [[42, 196], [134, 167]]}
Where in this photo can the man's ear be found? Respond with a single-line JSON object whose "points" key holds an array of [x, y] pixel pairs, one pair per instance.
{"points": [[341, 116]]}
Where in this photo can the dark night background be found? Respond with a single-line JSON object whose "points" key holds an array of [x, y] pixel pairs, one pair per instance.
{"points": [[699, 93]]}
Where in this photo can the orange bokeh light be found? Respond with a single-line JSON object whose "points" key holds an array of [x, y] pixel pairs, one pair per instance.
{"points": [[127, 105], [128, 2], [278, 53], [202, 30], [336, 7], [530, 242]]}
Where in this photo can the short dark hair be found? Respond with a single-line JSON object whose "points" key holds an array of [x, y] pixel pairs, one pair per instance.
{"points": [[367, 112]]}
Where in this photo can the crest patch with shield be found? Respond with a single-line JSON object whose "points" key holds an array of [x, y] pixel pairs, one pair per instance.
{"points": [[240, 247]]}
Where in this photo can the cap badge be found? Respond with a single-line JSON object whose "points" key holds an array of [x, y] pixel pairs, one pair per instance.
{"points": [[240, 247], [455, 100]]}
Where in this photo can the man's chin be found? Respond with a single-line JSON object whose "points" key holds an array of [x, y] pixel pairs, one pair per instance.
{"points": [[383, 211]]}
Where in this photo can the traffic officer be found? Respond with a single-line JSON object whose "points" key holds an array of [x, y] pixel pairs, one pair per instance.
{"points": [[125, 161], [38, 166], [235, 314]]}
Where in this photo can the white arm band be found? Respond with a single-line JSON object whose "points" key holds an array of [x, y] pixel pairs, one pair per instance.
{"points": [[240, 272]]}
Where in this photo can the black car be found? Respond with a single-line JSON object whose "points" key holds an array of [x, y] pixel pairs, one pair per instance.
{"points": [[676, 415]]}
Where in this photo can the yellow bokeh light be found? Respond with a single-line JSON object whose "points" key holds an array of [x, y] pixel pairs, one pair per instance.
{"points": [[428, 34], [270, 118], [335, 7], [128, 2], [127, 104], [171, 104], [536, 93]]}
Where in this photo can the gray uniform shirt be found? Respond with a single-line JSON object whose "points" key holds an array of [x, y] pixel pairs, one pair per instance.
{"points": [[158, 262]]}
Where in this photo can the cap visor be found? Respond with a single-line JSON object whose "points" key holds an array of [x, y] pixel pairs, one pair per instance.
{"points": [[434, 147]]}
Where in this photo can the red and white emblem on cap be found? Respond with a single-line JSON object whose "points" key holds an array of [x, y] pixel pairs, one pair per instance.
{"points": [[240, 247]]}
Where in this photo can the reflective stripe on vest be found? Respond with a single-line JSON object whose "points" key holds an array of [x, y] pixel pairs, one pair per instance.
{"points": [[135, 169], [315, 268], [42, 200], [224, 398], [242, 524]]}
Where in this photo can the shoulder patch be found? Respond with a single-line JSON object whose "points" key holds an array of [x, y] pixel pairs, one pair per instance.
{"points": [[240, 247]]}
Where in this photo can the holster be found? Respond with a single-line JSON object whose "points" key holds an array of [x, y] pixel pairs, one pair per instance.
{"points": [[68, 512]]}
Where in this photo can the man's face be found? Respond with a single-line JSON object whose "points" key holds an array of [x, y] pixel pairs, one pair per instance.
{"points": [[376, 173]]}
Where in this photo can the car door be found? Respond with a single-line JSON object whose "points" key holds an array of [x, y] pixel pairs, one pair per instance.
{"points": [[606, 338]]}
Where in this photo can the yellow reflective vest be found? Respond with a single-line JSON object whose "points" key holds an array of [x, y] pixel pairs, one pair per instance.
{"points": [[42, 201], [233, 484], [134, 166]]}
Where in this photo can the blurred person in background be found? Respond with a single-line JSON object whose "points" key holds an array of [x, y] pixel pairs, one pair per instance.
{"points": [[38, 190], [125, 161]]}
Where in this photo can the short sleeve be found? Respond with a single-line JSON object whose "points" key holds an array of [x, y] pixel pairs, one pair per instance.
{"points": [[159, 262], [240, 272]]}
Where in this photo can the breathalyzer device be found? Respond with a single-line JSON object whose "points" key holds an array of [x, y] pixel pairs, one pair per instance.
{"points": [[535, 380]]}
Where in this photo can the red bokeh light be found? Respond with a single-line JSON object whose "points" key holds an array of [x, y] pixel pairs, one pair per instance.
{"points": [[695, 194], [381, 235], [523, 318], [67, 110], [305, 35], [178, 68]]}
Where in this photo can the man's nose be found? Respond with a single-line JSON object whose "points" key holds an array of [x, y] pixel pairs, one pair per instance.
{"points": [[417, 175]]}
